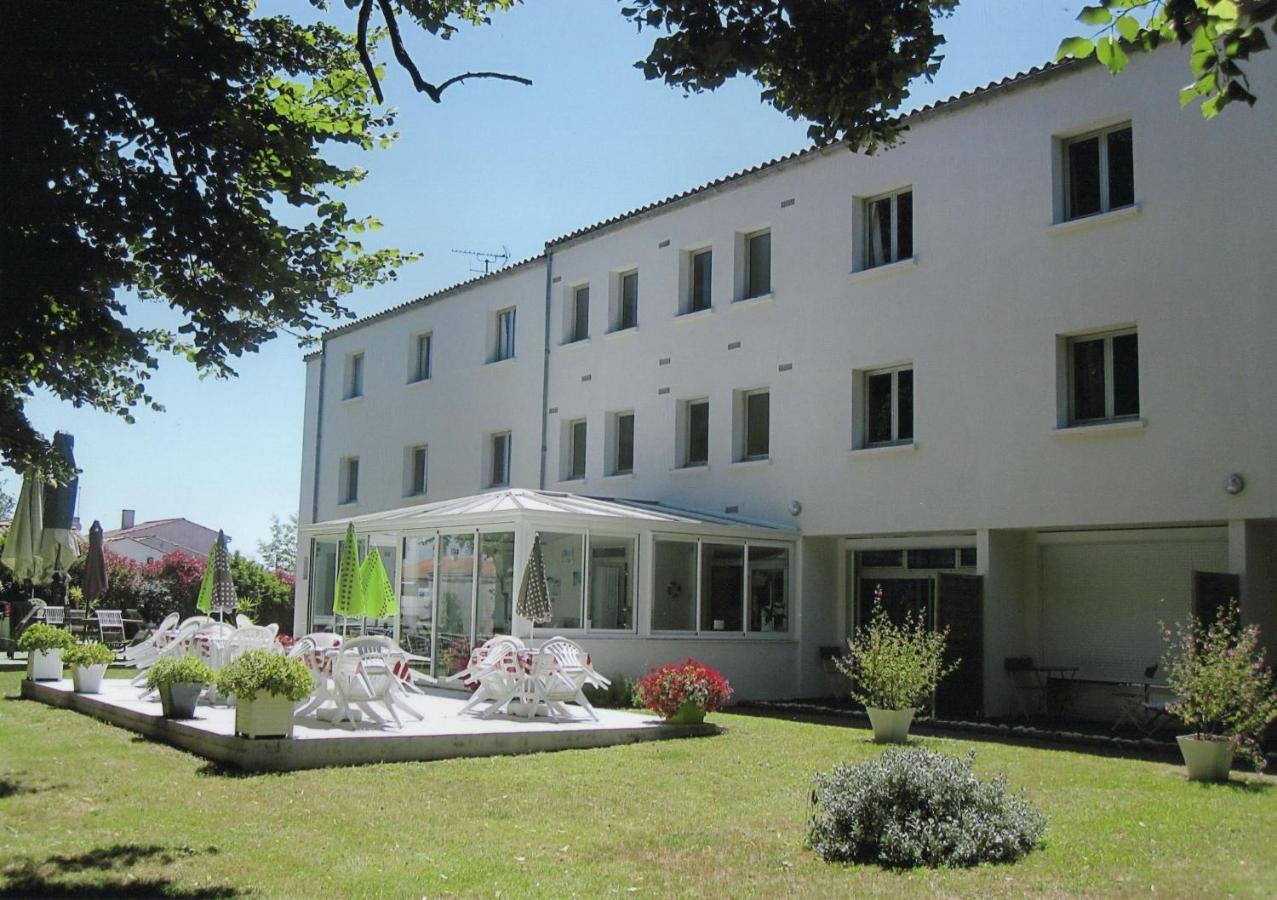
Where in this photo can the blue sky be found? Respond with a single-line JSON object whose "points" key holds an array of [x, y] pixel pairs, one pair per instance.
{"points": [[496, 164]]}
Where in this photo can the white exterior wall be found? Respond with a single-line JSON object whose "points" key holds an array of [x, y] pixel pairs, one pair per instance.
{"points": [[979, 313]]}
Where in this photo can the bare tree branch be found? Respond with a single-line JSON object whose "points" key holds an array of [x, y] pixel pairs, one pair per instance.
{"points": [[457, 78], [365, 11]]}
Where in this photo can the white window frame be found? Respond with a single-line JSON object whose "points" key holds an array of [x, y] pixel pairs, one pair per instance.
{"points": [[1102, 174], [742, 413], [745, 543], [683, 436], [504, 346], [417, 372], [410, 470], [353, 377], [866, 252], [572, 333], [348, 493], [748, 291], [613, 440], [491, 458], [1107, 337], [688, 304], [616, 318], [896, 440], [570, 448]]}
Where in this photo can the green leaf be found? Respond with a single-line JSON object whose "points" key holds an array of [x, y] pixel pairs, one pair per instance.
{"points": [[1075, 47], [1128, 27], [1094, 15], [1187, 95], [1104, 53]]}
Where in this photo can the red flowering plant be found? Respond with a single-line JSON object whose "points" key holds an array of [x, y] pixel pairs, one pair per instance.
{"points": [[665, 690]]}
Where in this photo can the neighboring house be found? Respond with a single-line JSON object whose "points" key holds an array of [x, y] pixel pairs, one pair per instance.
{"points": [[151, 541], [1003, 374]]}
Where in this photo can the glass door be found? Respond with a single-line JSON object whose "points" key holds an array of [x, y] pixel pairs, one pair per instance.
{"points": [[417, 600], [454, 615]]}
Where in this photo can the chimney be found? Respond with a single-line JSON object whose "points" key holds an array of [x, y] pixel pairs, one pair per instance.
{"points": [[127, 517]]}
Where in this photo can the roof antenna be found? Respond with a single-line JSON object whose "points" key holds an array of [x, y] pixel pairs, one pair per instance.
{"points": [[487, 257]]}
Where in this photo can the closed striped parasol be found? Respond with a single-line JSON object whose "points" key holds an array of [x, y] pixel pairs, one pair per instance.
{"points": [[534, 599]]}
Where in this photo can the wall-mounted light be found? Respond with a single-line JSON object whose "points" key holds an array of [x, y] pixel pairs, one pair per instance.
{"points": [[795, 507], [1235, 483]]}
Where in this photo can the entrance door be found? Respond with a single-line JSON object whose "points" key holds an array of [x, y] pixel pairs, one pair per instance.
{"points": [[960, 608]]}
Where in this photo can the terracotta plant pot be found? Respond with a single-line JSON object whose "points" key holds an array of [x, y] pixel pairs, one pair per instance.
{"points": [[266, 716], [178, 700], [1207, 759], [44, 665], [891, 726], [88, 679]]}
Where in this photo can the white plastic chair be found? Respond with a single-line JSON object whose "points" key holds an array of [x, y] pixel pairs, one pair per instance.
{"points": [[560, 672], [150, 648], [243, 639], [401, 658], [363, 677], [172, 643], [313, 650], [496, 671]]}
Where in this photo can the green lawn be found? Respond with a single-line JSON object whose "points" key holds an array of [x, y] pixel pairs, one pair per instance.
{"points": [[86, 805]]}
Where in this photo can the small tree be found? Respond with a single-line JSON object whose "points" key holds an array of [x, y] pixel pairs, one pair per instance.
{"points": [[7, 502], [895, 666], [279, 552], [1222, 688]]}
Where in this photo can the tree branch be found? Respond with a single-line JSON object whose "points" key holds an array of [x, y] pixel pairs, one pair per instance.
{"points": [[458, 78], [365, 11]]}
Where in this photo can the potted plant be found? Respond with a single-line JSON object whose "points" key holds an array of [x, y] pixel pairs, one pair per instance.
{"points": [[894, 670], [683, 692], [266, 688], [44, 645], [180, 681], [1222, 691], [88, 662]]}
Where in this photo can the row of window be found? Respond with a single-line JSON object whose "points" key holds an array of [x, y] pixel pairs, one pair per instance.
{"points": [[1102, 375], [1098, 176]]}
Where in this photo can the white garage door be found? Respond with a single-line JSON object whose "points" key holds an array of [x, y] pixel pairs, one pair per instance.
{"points": [[1103, 595]]}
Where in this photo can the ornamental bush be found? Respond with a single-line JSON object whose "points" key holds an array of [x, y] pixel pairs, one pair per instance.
{"points": [[260, 671], [1221, 686], [41, 638], [179, 670], [895, 666], [915, 807], [667, 688], [87, 654]]}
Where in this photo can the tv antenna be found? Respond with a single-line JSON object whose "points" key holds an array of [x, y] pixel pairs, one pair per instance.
{"points": [[487, 257]]}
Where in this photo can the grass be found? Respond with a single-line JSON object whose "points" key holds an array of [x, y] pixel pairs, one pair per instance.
{"points": [[86, 807]]}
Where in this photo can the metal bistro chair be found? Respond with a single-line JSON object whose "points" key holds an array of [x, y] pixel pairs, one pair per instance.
{"points": [[111, 628], [55, 615]]}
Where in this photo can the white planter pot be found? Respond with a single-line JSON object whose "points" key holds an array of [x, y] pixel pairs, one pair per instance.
{"points": [[44, 665], [88, 679], [177, 701], [267, 716], [891, 726], [1206, 759]]}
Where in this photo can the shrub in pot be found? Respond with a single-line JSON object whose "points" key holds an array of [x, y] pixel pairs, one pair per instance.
{"points": [[44, 645], [88, 662], [894, 669], [1223, 692], [915, 807], [266, 687], [683, 692], [179, 681]]}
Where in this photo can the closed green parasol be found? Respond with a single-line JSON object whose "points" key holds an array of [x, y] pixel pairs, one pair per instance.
{"points": [[204, 603], [22, 544], [348, 597], [379, 593]]}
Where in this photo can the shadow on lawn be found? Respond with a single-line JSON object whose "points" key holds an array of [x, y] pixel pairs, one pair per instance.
{"points": [[26, 877], [9, 787]]}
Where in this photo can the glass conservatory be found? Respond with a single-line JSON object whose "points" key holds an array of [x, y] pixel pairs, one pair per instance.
{"points": [[614, 569]]}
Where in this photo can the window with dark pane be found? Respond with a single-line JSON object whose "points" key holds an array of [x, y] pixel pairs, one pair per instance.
{"points": [[881, 559], [759, 264], [698, 433], [576, 468], [1088, 380], [500, 459], [628, 317], [1121, 168], [624, 443], [967, 557], [1126, 375], [418, 485], [757, 425], [878, 408], [904, 405], [702, 270], [1084, 177], [904, 225], [1099, 172], [722, 587], [888, 228], [421, 360], [878, 230], [581, 313], [932, 558]]}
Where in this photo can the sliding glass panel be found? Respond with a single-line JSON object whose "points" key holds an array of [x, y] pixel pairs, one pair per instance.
{"points": [[611, 583], [417, 598], [768, 588], [384, 626], [564, 573], [674, 587], [456, 602], [722, 587], [496, 585], [323, 584]]}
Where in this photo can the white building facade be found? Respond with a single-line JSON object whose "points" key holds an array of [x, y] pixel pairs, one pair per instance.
{"points": [[1016, 373]]}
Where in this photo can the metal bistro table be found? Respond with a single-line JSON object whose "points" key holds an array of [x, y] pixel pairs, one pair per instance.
{"points": [[1062, 675]]}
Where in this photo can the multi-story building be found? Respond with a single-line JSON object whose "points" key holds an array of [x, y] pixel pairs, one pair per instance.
{"points": [[1016, 373]]}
